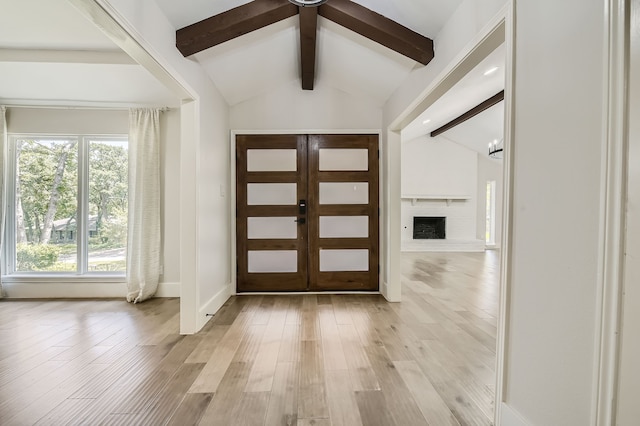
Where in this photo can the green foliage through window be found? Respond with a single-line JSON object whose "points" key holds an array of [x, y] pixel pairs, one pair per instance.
{"points": [[48, 172]]}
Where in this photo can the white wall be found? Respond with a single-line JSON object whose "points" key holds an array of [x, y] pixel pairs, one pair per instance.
{"points": [[489, 169], [436, 166], [439, 167], [204, 157], [288, 107], [213, 236], [629, 375], [67, 121], [105, 122], [558, 142], [170, 190]]}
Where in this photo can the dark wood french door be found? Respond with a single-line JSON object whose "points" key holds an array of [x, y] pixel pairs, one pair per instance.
{"points": [[307, 212]]}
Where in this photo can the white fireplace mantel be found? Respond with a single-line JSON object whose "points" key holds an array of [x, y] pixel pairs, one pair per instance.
{"points": [[448, 198]]}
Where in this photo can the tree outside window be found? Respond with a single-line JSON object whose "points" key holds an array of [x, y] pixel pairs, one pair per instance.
{"points": [[70, 204]]}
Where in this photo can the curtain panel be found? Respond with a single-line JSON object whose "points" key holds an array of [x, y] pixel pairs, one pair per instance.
{"points": [[143, 240]]}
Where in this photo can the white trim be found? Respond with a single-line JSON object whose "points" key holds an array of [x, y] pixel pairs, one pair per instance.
{"points": [[510, 417], [446, 245], [232, 180], [209, 309], [44, 290], [303, 293], [506, 245], [189, 253], [56, 278], [485, 42], [391, 217], [491, 184], [235, 132], [612, 208], [56, 288], [384, 290], [76, 104], [102, 14], [109, 57], [82, 141], [232, 213]]}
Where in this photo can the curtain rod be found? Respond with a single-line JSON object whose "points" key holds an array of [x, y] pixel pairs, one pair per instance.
{"points": [[89, 107]]}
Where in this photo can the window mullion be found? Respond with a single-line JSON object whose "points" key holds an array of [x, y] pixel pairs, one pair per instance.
{"points": [[83, 204]]}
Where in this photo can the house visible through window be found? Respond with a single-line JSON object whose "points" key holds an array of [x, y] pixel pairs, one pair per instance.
{"points": [[70, 198]]}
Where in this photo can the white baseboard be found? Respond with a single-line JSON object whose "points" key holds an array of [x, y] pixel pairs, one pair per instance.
{"points": [[57, 289], [442, 246], [510, 417], [213, 305], [384, 290]]}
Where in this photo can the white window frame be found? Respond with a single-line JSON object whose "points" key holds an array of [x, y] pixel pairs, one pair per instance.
{"points": [[490, 213], [9, 256]]}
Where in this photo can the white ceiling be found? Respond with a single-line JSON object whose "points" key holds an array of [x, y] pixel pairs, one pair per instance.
{"points": [[422, 16], [51, 55], [259, 61], [471, 90], [255, 63]]}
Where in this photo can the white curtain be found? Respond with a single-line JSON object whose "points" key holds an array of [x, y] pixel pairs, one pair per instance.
{"points": [[143, 241], [3, 182]]}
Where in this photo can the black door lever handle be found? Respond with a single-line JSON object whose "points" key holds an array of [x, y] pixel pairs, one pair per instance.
{"points": [[301, 221]]}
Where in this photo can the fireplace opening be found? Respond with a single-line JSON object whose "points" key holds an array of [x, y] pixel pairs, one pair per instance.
{"points": [[429, 228]]}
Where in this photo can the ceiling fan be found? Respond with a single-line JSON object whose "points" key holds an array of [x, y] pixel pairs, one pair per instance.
{"points": [[308, 3]]}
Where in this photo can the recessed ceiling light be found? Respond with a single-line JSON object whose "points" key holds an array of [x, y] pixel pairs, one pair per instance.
{"points": [[491, 70], [427, 121]]}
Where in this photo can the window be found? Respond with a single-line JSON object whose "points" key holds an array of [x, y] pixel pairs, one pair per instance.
{"points": [[70, 198], [490, 222]]}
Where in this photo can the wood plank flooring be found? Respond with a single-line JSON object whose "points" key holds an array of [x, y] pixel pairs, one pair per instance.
{"points": [[263, 360]]}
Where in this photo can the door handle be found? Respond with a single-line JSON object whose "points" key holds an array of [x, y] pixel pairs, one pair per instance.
{"points": [[300, 220]]}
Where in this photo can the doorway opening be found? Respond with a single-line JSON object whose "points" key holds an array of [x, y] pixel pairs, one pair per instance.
{"points": [[448, 193]]}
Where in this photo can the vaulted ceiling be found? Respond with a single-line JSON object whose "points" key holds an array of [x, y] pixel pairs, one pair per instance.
{"points": [[258, 14], [268, 58], [50, 54]]}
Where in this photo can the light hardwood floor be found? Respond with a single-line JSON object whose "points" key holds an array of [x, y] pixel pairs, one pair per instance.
{"points": [[263, 360]]}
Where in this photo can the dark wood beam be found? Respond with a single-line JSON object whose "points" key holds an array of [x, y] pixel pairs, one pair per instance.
{"points": [[379, 29], [308, 31], [232, 23], [498, 97]]}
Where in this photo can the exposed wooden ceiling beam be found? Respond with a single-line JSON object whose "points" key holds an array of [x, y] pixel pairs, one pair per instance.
{"points": [[498, 97], [308, 31], [379, 29], [232, 23]]}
